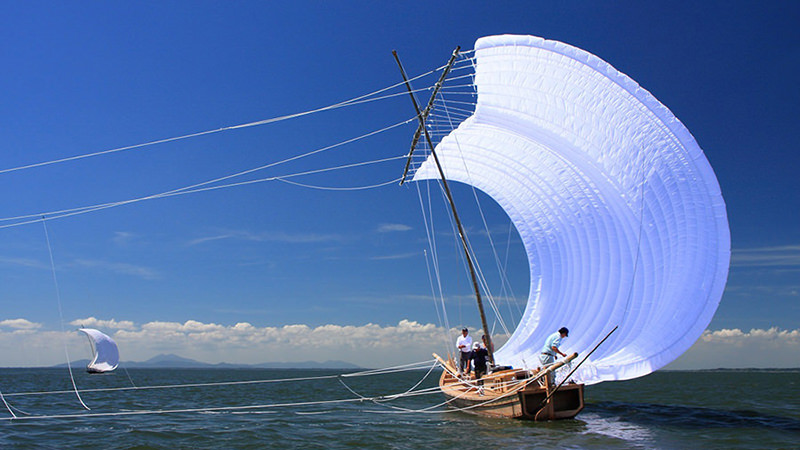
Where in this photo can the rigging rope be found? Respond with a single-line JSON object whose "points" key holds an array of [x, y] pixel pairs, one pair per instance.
{"points": [[444, 124], [352, 102], [445, 337], [328, 188], [60, 312], [7, 406], [435, 262], [395, 396], [195, 187], [186, 410], [393, 369], [406, 367]]}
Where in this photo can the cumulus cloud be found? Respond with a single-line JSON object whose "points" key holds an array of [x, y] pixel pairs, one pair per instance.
{"points": [[92, 322], [734, 348], [285, 343], [368, 345], [20, 324]]}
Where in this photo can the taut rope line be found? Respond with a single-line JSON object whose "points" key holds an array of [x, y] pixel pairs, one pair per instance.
{"points": [[60, 313], [198, 187], [352, 102]]}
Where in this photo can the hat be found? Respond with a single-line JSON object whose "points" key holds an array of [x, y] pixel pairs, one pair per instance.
{"points": [[564, 330], [465, 329], [476, 345]]}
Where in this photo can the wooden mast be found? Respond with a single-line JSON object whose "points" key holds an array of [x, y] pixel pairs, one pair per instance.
{"points": [[428, 108], [462, 235]]}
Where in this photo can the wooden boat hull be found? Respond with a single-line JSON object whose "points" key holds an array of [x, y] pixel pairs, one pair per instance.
{"points": [[513, 394], [525, 404]]}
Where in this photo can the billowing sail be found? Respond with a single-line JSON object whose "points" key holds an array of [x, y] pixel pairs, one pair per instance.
{"points": [[618, 209], [104, 349]]}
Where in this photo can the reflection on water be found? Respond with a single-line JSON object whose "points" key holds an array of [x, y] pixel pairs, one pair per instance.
{"points": [[618, 428], [692, 417]]}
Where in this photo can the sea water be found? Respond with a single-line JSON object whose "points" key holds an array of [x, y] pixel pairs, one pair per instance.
{"points": [[665, 410]]}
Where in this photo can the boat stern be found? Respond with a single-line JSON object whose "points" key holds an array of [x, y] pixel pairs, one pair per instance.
{"points": [[565, 403]]}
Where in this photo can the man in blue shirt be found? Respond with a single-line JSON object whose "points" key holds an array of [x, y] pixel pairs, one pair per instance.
{"points": [[550, 351]]}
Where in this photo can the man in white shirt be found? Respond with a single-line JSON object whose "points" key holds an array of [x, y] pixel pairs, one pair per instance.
{"points": [[464, 344]]}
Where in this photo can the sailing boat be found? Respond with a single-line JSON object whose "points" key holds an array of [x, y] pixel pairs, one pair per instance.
{"points": [[619, 211], [104, 351]]}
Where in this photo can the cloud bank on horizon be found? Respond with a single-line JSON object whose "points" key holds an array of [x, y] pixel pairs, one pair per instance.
{"points": [[24, 343]]}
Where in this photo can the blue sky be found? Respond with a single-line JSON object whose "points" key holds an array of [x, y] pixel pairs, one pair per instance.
{"points": [[84, 77]]}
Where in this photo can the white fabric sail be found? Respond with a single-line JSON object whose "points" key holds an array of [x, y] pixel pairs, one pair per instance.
{"points": [[618, 209], [104, 349]]}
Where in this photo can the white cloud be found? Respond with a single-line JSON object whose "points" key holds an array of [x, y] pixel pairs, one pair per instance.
{"points": [[292, 238], [396, 256], [734, 348], [209, 239], [392, 227], [92, 322], [20, 324], [771, 337], [781, 256], [369, 345]]}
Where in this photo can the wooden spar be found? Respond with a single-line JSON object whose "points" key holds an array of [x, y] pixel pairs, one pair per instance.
{"points": [[461, 233], [427, 109]]}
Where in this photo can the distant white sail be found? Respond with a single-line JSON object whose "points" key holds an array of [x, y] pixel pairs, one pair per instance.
{"points": [[104, 349], [618, 209]]}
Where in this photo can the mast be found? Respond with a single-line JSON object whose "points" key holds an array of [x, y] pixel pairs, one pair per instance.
{"points": [[461, 234], [428, 108]]}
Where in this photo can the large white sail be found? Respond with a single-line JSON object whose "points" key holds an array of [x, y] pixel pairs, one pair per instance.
{"points": [[104, 349], [618, 209]]}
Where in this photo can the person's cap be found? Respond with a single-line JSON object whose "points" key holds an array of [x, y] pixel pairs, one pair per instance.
{"points": [[564, 330], [465, 329], [476, 345]]}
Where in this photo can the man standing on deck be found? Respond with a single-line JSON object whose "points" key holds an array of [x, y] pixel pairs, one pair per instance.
{"points": [[479, 354], [550, 351], [464, 344]]}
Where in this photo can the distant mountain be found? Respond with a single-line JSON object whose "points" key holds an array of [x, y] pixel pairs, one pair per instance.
{"points": [[308, 365], [175, 361], [167, 360], [80, 363]]}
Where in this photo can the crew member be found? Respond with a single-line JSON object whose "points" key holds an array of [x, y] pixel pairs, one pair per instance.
{"points": [[551, 350], [464, 344], [479, 355]]}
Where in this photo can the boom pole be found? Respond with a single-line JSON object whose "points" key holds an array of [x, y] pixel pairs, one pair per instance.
{"points": [[461, 234]]}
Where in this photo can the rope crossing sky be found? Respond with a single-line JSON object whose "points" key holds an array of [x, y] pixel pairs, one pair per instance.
{"points": [[380, 94]]}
